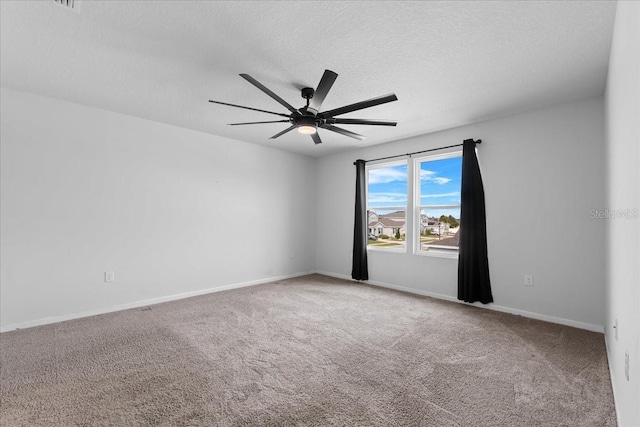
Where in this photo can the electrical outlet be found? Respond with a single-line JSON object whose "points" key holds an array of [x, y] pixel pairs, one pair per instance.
{"points": [[615, 328], [528, 279], [109, 276], [626, 364]]}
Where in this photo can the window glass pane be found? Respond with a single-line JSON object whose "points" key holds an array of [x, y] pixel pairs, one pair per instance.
{"points": [[387, 186], [439, 201], [387, 228], [440, 181], [386, 203], [439, 226]]}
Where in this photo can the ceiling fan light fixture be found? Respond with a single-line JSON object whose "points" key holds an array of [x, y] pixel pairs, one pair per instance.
{"points": [[307, 129], [307, 125]]}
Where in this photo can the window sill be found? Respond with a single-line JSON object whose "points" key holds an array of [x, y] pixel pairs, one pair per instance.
{"points": [[402, 250], [438, 254]]}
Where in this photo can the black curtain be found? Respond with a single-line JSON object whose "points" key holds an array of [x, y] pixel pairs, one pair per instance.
{"points": [[360, 268], [473, 263]]}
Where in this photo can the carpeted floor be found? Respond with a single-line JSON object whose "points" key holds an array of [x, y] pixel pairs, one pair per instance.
{"points": [[311, 351]]}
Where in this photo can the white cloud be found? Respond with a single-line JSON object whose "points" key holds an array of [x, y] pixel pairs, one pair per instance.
{"points": [[386, 175], [429, 176], [453, 194], [441, 180], [389, 199], [426, 175]]}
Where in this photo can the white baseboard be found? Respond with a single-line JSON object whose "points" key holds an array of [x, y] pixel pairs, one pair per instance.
{"points": [[528, 314], [613, 384], [143, 303]]}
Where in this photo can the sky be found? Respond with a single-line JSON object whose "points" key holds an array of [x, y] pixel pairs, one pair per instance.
{"points": [[439, 185]]}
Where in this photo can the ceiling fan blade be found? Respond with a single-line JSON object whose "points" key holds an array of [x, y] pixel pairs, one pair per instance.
{"points": [[327, 80], [361, 122], [283, 132], [316, 138], [249, 108], [343, 132], [359, 105], [263, 88], [256, 123]]}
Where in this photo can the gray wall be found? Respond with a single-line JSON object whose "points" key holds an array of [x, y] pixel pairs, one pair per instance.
{"points": [[543, 173], [623, 190], [169, 210]]}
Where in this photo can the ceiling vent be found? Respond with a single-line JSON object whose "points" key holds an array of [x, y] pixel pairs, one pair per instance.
{"points": [[70, 4]]}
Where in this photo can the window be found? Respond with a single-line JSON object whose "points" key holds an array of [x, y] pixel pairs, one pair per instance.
{"points": [[387, 205], [414, 206], [438, 182]]}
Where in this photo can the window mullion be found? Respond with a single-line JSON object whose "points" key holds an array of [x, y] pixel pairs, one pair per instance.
{"points": [[409, 212], [416, 207]]}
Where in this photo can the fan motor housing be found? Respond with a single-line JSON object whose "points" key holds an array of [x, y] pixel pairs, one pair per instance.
{"points": [[305, 121]]}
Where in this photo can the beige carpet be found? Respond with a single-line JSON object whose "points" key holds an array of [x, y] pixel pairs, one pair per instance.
{"points": [[312, 351]]}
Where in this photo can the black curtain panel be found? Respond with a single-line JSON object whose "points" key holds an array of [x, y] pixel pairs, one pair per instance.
{"points": [[473, 263], [360, 268]]}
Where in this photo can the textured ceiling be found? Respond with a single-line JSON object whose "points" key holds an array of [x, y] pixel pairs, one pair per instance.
{"points": [[449, 63]]}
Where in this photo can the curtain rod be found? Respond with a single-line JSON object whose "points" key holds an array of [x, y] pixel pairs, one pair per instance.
{"points": [[479, 141]]}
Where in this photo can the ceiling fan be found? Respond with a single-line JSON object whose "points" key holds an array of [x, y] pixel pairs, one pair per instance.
{"points": [[309, 118]]}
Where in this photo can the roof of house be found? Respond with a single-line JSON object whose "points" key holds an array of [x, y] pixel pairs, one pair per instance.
{"points": [[391, 222], [394, 219], [396, 214]]}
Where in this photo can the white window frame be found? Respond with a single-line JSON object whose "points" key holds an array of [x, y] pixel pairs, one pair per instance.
{"points": [[407, 212], [413, 206], [438, 251]]}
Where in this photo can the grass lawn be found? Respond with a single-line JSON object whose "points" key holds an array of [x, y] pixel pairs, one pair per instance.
{"points": [[377, 243]]}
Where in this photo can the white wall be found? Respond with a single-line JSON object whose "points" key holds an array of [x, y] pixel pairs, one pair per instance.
{"points": [[542, 171], [170, 210], [623, 265]]}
